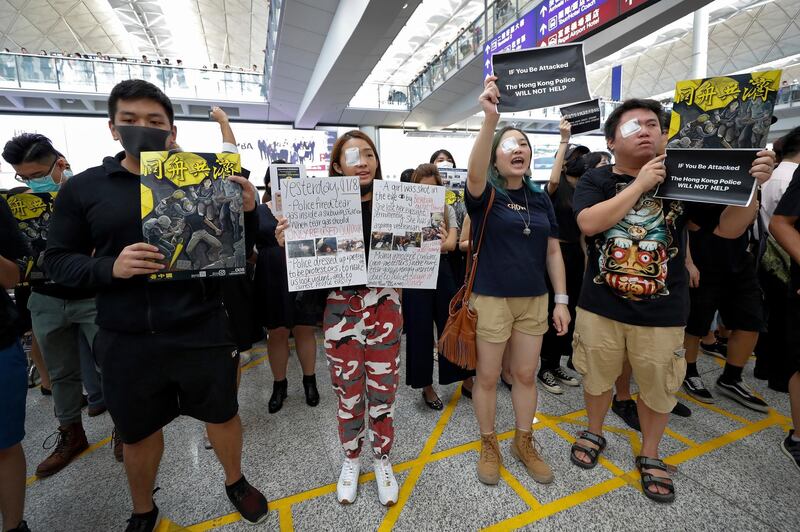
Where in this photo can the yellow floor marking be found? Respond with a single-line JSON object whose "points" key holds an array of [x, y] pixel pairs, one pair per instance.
{"points": [[413, 477], [254, 363], [520, 490], [168, 526], [286, 522], [571, 439], [33, 478], [680, 437], [556, 506]]}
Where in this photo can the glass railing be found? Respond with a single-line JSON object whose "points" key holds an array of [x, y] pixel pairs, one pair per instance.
{"points": [[41, 72], [381, 96], [464, 48], [789, 96]]}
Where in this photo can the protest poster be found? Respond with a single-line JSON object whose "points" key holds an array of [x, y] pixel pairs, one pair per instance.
{"points": [[709, 176], [193, 213], [724, 112], [32, 211], [325, 236], [455, 183], [583, 116], [540, 77], [279, 172], [406, 240]]}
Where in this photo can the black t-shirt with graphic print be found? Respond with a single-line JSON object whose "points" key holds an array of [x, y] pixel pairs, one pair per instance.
{"points": [[790, 206], [512, 264], [635, 272]]}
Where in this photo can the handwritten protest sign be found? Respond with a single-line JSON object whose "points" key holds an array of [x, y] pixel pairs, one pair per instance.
{"points": [[278, 173], [325, 237], [407, 222]]}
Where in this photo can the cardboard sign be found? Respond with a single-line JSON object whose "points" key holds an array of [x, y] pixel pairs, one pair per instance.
{"points": [[584, 117], [406, 240], [193, 213], [540, 77], [325, 237], [709, 176]]}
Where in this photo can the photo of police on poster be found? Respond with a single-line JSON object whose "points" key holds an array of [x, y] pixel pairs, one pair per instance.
{"points": [[193, 213], [33, 211]]}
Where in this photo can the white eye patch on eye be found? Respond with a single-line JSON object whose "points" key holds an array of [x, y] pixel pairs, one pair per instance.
{"points": [[509, 145], [352, 156], [630, 127]]}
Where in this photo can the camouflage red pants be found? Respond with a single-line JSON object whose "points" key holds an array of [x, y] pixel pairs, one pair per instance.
{"points": [[362, 343]]}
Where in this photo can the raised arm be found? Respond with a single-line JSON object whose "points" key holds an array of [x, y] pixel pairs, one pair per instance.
{"points": [[221, 118], [481, 150], [555, 174]]}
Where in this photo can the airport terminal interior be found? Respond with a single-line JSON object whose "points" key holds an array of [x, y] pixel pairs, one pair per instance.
{"points": [[211, 280]]}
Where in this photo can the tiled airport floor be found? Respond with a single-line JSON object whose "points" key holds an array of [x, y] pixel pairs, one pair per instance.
{"points": [[732, 475]]}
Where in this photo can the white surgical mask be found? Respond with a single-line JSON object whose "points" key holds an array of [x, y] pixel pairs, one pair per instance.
{"points": [[444, 164]]}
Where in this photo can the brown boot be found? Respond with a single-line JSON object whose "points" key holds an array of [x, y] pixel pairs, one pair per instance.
{"points": [[524, 450], [490, 460], [117, 446], [70, 442]]}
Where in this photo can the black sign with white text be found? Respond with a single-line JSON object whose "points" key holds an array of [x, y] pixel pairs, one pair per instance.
{"points": [[583, 117], [709, 176], [540, 77]]}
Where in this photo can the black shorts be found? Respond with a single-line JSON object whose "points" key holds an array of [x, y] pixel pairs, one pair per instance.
{"points": [[736, 295], [150, 379], [793, 330]]}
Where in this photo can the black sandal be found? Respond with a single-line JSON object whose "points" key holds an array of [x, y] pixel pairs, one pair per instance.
{"points": [[593, 454], [648, 480], [436, 404]]}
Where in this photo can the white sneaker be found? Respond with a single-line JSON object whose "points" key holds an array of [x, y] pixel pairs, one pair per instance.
{"points": [[387, 484], [347, 487]]}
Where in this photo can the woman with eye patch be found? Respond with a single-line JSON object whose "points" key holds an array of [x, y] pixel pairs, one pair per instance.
{"points": [[519, 250], [362, 328]]}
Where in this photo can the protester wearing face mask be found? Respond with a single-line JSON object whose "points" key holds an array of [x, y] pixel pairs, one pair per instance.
{"points": [[362, 328], [60, 315], [165, 348], [569, 165]]}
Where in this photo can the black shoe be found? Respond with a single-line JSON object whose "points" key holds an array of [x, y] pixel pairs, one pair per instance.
{"points": [[84, 401], [46, 391], [97, 410], [565, 377], [436, 404], [278, 395], [694, 386], [549, 382], [569, 364], [251, 503], [790, 448], [507, 384], [717, 349], [682, 410], [741, 393], [310, 386], [143, 522], [760, 373], [626, 410], [21, 527]]}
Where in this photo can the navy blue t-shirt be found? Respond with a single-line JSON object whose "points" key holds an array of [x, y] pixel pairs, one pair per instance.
{"points": [[512, 264]]}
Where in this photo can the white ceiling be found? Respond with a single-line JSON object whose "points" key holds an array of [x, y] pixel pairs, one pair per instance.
{"points": [[198, 31], [743, 35]]}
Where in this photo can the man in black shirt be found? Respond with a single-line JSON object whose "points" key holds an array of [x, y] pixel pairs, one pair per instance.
{"points": [[13, 380], [634, 299], [60, 315], [727, 282], [165, 348], [785, 227]]}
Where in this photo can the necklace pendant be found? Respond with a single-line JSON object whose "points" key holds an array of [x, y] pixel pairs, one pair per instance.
{"points": [[526, 232]]}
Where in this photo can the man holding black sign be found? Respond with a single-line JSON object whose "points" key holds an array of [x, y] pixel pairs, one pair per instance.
{"points": [[635, 293]]}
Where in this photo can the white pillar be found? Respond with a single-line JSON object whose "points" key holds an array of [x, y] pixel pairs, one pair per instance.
{"points": [[700, 44]]}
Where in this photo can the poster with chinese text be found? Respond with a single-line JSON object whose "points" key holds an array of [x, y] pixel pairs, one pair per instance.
{"points": [[33, 211]]}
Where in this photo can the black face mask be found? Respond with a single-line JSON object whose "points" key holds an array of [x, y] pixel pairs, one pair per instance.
{"points": [[136, 139], [366, 189], [576, 167]]}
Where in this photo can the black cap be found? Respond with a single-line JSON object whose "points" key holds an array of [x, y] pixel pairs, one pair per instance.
{"points": [[575, 148]]}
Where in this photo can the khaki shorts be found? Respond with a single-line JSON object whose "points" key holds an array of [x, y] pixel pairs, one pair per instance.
{"points": [[656, 354], [497, 316]]}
